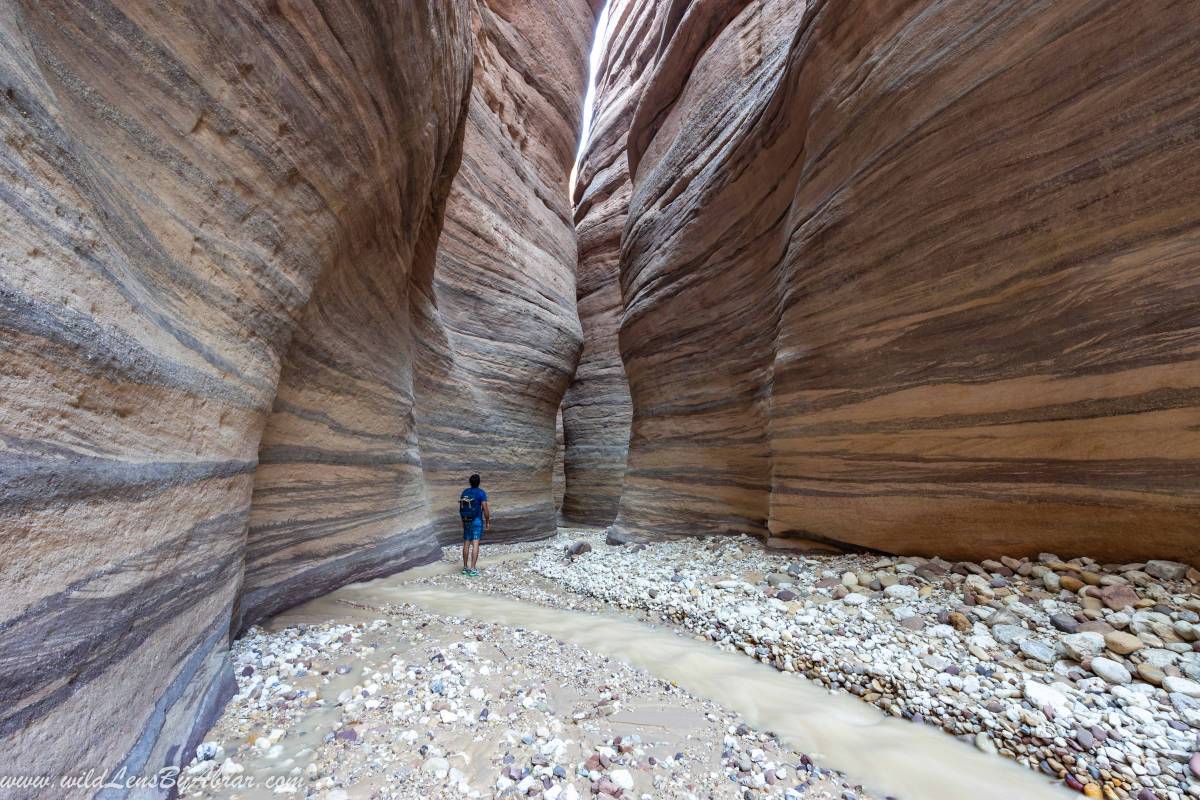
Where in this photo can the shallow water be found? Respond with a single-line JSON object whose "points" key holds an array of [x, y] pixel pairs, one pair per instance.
{"points": [[889, 755]]}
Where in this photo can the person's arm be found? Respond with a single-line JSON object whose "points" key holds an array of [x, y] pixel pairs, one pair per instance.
{"points": [[487, 516]]}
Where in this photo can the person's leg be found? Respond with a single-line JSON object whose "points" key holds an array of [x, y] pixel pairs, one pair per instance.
{"points": [[474, 553], [466, 550]]}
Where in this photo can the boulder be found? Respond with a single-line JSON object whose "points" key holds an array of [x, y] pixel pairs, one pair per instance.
{"points": [[1166, 570]]}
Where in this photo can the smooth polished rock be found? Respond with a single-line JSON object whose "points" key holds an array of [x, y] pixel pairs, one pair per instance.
{"points": [[841, 338]]}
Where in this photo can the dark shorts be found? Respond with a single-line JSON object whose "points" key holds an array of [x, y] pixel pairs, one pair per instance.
{"points": [[473, 530]]}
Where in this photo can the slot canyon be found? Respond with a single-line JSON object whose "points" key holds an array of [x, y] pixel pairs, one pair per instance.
{"points": [[810, 352]]}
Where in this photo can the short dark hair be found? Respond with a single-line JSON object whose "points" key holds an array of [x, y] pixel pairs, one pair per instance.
{"points": [[474, 481]]}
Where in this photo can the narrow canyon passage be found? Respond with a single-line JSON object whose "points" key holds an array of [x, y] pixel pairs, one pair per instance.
{"points": [[849, 339]]}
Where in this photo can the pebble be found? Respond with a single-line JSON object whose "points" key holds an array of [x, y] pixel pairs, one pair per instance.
{"points": [[1181, 686], [901, 592], [1039, 651], [1081, 646], [1111, 671], [1166, 570], [1150, 673], [622, 778], [1064, 622], [1123, 643]]}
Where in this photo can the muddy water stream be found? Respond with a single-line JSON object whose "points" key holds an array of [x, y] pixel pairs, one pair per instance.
{"points": [[889, 755]]}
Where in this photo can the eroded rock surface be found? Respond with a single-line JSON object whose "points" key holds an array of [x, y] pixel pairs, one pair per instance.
{"points": [[493, 374], [596, 408], [918, 277], [386, 407], [223, 305]]}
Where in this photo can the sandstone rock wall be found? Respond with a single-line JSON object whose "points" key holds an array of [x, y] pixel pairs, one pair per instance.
{"points": [[596, 409], [918, 276], [220, 232], [496, 359], [386, 406]]}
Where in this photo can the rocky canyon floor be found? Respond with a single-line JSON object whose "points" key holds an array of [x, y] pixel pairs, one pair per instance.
{"points": [[572, 668]]}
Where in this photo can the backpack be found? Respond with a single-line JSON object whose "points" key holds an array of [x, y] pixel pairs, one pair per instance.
{"points": [[469, 508]]}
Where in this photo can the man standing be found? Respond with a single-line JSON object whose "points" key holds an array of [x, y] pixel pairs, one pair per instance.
{"points": [[476, 518]]}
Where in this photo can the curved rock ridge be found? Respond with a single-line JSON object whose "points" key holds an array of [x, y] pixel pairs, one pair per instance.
{"points": [[386, 407], [496, 359], [919, 277], [596, 409], [223, 308]]}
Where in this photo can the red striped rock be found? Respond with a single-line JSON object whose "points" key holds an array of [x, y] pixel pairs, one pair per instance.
{"points": [[920, 277], [596, 409], [504, 286], [223, 302], [358, 479]]}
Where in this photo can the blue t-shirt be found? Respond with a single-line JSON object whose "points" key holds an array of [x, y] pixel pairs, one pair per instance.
{"points": [[477, 497]]}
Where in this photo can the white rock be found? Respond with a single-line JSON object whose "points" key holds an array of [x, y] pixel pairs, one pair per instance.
{"points": [[936, 662], [1181, 685], [1041, 695], [901, 592], [1039, 651], [854, 599], [849, 580], [1083, 645], [1009, 633], [622, 778], [438, 767], [1111, 671], [979, 586]]}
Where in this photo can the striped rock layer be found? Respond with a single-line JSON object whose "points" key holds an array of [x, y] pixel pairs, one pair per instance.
{"points": [[494, 371], [917, 276], [386, 407], [224, 321], [596, 409]]}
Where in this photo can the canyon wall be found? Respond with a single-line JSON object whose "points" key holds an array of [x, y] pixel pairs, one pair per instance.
{"points": [[596, 409], [386, 407], [221, 305], [918, 276], [494, 372]]}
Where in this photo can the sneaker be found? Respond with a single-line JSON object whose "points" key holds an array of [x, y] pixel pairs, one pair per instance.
{"points": [[474, 573], [466, 571]]}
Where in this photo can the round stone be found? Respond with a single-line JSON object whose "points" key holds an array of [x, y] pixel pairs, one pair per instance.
{"points": [[1111, 671], [1122, 643], [1150, 673]]}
